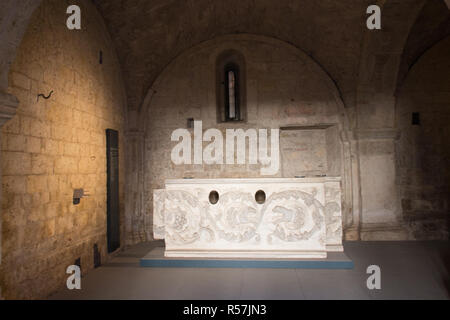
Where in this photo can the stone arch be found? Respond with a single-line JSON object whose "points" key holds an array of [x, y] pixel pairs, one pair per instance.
{"points": [[331, 83], [219, 45], [431, 26], [418, 60]]}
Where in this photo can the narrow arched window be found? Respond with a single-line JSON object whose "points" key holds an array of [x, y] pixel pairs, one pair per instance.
{"points": [[232, 93], [231, 87]]}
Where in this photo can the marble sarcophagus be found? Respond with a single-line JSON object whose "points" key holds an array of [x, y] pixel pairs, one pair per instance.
{"points": [[251, 218]]}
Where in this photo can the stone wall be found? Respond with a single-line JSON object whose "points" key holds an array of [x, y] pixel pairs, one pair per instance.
{"points": [[54, 146], [284, 88], [423, 151]]}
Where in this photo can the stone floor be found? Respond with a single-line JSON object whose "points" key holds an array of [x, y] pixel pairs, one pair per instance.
{"points": [[409, 270]]}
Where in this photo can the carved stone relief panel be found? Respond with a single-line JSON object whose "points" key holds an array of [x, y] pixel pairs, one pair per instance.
{"points": [[291, 219]]}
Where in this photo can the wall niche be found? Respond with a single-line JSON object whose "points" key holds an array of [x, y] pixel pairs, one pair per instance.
{"points": [[310, 150]]}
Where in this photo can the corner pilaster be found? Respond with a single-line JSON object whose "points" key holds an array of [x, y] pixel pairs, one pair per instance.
{"points": [[380, 214]]}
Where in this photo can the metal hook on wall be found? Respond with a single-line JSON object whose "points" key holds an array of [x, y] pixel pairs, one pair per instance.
{"points": [[43, 96]]}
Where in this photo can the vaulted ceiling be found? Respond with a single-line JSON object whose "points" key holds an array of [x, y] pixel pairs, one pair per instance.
{"points": [[432, 25], [149, 34]]}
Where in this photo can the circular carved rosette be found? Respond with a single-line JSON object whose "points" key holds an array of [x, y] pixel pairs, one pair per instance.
{"points": [[183, 215], [237, 218], [293, 216]]}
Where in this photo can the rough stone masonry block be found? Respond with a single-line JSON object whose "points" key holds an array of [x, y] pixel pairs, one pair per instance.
{"points": [[33, 145], [61, 132], [82, 136], [41, 164], [66, 165], [16, 163], [14, 142], [21, 81], [87, 165], [14, 184], [71, 149], [58, 113], [53, 183], [39, 129], [37, 183], [77, 118], [52, 147], [13, 125]]}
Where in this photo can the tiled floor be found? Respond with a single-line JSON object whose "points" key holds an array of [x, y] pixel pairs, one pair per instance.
{"points": [[409, 270]]}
